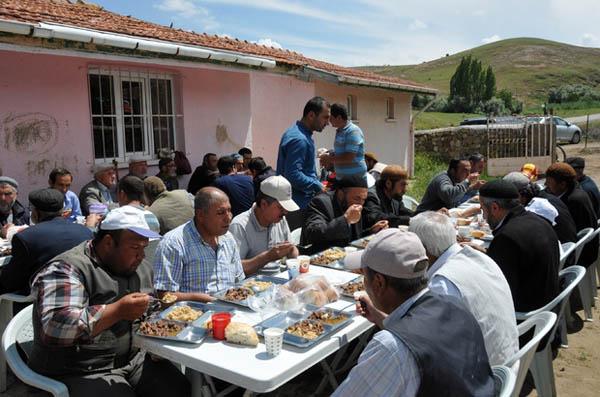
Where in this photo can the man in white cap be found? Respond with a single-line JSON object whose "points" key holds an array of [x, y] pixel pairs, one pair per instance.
{"points": [[430, 345], [138, 167], [262, 233], [101, 190], [84, 318]]}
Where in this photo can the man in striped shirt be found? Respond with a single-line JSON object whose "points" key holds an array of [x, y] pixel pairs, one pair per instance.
{"points": [[349, 145]]}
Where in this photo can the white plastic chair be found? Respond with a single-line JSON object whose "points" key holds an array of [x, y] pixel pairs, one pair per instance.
{"points": [[20, 330], [541, 366], [585, 289], [6, 314], [295, 236], [504, 379], [541, 323], [567, 249], [410, 202]]}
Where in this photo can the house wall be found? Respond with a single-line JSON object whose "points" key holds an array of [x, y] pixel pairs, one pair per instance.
{"points": [[389, 140]]}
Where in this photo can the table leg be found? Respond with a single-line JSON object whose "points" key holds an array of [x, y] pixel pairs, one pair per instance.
{"points": [[329, 370], [199, 387]]}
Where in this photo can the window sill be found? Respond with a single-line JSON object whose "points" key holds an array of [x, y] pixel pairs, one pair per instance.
{"points": [[125, 165], [391, 120]]}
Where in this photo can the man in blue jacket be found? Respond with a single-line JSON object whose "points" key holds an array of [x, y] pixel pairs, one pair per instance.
{"points": [[296, 158]]}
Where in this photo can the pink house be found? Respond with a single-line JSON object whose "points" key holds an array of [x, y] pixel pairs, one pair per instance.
{"points": [[81, 85]]}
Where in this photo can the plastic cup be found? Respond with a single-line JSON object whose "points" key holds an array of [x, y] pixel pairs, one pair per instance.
{"points": [[273, 340], [464, 231], [304, 261], [220, 321], [350, 249], [293, 265]]}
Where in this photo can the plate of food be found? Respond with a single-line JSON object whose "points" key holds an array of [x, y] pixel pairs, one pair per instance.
{"points": [[361, 243], [239, 293], [332, 257], [171, 330], [349, 288]]}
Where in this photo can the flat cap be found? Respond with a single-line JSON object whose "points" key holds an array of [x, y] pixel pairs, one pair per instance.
{"points": [[499, 189], [576, 162], [517, 178], [98, 168], [49, 200], [8, 180]]}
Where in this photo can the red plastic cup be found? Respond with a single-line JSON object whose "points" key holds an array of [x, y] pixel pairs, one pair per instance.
{"points": [[220, 321]]}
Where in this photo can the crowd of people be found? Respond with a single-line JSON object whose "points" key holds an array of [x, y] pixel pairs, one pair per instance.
{"points": [[94, 261]]}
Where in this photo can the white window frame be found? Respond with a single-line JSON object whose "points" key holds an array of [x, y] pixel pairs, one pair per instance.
{"points": [[118, 76], [351, 103]]}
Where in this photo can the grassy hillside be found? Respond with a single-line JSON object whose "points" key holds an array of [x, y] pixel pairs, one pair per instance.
{"points": [[528, 67]]}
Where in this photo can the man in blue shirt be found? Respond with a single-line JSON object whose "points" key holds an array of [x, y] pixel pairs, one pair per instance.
{"points": [[349, 146], [238, 187], [296, 158], [61, 179]]}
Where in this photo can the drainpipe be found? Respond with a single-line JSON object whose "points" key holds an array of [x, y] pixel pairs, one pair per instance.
{"points": [[411, 135]]}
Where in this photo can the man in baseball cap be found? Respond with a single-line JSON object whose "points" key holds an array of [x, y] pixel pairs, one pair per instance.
{"points": [[262, 232], [422, 334]]}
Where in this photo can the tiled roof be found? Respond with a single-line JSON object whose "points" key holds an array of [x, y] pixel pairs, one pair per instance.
{"points": [[90, 16]]}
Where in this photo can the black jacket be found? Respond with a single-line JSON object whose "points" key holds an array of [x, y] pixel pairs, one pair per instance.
{"points": [[34, 247], [582, 211], [565, 225], [525, 247], [325, 225], [264, 174], [20, 215], [379, 207], [201, 177]]}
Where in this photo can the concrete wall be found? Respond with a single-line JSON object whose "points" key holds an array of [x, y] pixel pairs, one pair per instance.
{"points": [[389, 140]]}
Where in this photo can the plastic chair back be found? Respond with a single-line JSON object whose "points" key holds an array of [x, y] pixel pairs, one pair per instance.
{"points": [[20, 328], [583, 237], [567, 249], [505, 379], [410, 202], [541, 323]]}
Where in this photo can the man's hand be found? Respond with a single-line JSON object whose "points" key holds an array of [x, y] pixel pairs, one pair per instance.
{"points": [[353, 214], [132, 306], [4, 229], [280, 250], [92, 220], [469, 212], [474, 177], [365, 308], [383, 224], [476, 185]]}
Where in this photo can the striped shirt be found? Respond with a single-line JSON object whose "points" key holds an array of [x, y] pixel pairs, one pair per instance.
{"points": [[184, 262], [350, 139]]}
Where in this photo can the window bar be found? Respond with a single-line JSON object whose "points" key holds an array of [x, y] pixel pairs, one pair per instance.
{"points": [[168, 132]]}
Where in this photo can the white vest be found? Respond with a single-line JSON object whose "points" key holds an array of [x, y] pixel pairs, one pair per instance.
{"points": [[486, 294]]}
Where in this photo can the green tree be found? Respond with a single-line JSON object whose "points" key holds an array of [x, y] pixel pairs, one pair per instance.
{"points": [[470, 85], [490, 84]]}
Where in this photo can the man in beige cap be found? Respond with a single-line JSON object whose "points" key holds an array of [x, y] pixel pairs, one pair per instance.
{"points": [[430, 345], [101, 190], [138, 167], [262, 233]]}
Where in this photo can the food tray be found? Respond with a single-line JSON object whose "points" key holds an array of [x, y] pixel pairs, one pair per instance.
{"points": [[336, 264], [285, 319], [189, 334], [359, 278], [361, 243], [207, 309], [220, 295]]}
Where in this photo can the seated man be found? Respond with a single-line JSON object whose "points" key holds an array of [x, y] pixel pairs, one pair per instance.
{"points": [[168, 173], [262, 232], [171, 208], [259, 170], [585, 182], [205, 174], [100, 190], [447, 188], [335, 218], [138, 167], [473, 277], [387, 202], [130, 191], [61, 179], [429, 345], [477, 161], [236, 186], [200, 257], [12, 212], [88, 301], [246, 154], [525, 246], [35, 246]]}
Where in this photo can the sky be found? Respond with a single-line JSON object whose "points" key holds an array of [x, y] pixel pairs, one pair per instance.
{"points": [[375, 32]]}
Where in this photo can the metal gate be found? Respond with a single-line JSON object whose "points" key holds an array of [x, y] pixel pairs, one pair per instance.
{"points": [[524, 141]]}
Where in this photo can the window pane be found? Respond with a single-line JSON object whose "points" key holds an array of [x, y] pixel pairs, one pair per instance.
{"points": [[95, 93], [128, 128], [154, 95], [138, 134], [107, 99], [168, 98], [162, 97], [105, 141]]}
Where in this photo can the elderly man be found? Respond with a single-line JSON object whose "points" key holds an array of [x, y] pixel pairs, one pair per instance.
{"points": [[525, 246], [12, 212], [88, 301], [168, 173], [138, 167], [172, 209], [100, 190], [238, 187], [585, 182], [61, 180], [296, 157], [429, 345], [33, 247], [262, 232], [335, 218], [447, 188], [205, 174], [200, 257], [349, 145], [387, 202]]}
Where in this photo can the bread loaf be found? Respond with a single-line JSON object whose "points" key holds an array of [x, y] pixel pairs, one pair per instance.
{"points": [[242, 334]]}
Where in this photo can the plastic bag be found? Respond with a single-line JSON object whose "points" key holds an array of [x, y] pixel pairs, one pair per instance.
{"points": [[313, 289]]}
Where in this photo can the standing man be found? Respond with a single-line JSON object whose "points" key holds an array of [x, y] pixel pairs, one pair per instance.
{"points": [[99, 190], [61, 179], [205, 174], [349, 145], [296, 157], [12, 212], [585, 182], [238, 187]]}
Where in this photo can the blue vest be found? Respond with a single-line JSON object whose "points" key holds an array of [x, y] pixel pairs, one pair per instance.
{"points": [[448, 347]]}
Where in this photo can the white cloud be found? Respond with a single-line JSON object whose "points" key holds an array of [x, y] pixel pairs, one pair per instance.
{"points": [[188, 9], [417, 24], [269, 43], [491, 39], [589, 40]]}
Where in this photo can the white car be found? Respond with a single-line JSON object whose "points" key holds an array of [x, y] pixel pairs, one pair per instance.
{"points": [[565, 131]]}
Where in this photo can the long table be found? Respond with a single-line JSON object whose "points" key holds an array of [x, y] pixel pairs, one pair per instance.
{"points": [[252, 368]]}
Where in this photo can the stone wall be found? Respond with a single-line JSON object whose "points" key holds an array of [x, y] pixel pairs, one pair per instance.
{"points": [[452, 142]]}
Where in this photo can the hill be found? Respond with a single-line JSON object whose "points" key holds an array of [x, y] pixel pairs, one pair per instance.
{"points": [[528, 67]]}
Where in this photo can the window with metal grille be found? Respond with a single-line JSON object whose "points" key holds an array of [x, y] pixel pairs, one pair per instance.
{"points": [[133, 113]]}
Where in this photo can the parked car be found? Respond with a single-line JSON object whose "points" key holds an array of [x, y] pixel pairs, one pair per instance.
{"points": [[565, 131]]}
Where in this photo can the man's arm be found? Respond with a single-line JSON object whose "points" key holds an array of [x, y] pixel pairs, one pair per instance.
{"points": [[450, 193], [294, 162], [88, 197], [505, 254]]}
